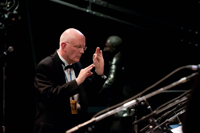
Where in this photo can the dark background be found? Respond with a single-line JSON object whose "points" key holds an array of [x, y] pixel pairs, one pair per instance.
{"points": [[159, 37]]}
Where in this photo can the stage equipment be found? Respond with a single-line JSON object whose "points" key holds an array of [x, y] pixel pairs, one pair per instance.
{"points": [[8, 15], [156, 123], [191, 67], [156, 112], [163, 116], [169, 120], [134, 102], [102, 15]]}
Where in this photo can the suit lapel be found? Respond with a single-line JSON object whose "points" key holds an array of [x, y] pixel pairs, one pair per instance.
{"points": [[59, 68]]}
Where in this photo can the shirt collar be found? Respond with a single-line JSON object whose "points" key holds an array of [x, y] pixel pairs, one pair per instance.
{"points": [[62, 59]]}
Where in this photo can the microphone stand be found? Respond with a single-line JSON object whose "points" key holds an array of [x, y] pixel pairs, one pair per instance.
{"points": [[132, 103], [156, 112], [153, 124], [4, 78], [167, 121], [4, 64], [10, 16], [164, 115]]}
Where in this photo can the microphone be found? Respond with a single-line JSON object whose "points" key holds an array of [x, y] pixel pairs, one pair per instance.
{"points": [[193, 67], [148, 105], [9, 50]]}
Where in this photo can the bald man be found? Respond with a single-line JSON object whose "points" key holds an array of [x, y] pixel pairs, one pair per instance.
{"points": [[62, 85]]}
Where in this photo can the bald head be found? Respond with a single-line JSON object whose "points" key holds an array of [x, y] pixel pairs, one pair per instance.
{"points": [[70, 35]]}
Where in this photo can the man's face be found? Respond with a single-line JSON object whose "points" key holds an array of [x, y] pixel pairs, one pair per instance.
{"points": [[74, 51]]}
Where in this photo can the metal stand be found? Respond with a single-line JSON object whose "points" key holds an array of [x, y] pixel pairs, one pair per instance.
{"points": [[4, 78], [134, 102]]}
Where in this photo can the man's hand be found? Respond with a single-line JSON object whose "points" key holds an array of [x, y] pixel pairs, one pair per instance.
{"points": [[98, 61], [84, 73]]}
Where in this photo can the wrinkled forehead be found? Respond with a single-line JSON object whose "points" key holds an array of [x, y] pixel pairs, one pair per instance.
{"points": [[79, 42]]}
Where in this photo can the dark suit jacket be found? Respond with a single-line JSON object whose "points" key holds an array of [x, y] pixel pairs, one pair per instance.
{"points": [[53, 112]]}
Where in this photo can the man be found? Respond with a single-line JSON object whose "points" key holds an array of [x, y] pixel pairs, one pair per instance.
{"points": [[61, 95]]}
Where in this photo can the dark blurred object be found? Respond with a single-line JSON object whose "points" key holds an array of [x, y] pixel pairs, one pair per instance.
{"points": [[8, 15], [191, 117], [8, 12], [116, 89]]}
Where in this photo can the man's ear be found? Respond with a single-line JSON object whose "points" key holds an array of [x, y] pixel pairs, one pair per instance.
{"points": [[63, 45]]}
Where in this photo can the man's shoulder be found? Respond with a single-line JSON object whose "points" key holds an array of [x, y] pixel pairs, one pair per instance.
{"points": [[46, 60]]}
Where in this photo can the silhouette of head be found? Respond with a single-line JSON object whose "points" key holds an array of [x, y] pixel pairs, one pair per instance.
{"points": [[113, 44]]}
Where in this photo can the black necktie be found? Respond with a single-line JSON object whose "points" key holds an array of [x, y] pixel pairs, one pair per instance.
{"points": [[68, 66]]}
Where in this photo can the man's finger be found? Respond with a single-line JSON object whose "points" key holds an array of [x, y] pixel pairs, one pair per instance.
{"points": [[97, 50], [90, 67], [101, 52], [94, 55], [89, 73]]}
